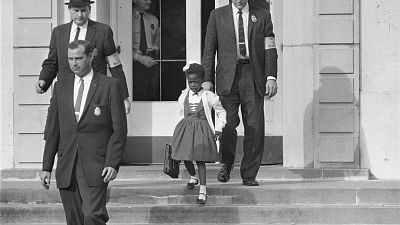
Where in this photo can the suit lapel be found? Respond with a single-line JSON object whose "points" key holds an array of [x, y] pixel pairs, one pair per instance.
{"points": [[92, 89], [65, 37], [91, 31], [70, 96], [231, 28]]}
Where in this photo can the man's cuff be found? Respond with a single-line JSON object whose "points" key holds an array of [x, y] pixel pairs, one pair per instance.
{"points": [[271, 78]]}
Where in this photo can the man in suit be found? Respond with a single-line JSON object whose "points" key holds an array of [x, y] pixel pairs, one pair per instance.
{"points": [[243, 38], [82, 28], [88, 133], [146, 49]]}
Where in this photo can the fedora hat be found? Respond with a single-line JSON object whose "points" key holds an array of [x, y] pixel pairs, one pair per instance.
{"points": [[79, 3]]}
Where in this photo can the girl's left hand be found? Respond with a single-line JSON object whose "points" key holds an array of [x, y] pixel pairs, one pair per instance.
{"points": [[218, 135]]}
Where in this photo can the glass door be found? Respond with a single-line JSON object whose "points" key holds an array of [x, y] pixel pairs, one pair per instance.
{"points": [[173, 30]]}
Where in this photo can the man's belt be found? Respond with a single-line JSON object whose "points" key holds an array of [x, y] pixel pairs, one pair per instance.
{"points": [[242, 61]]}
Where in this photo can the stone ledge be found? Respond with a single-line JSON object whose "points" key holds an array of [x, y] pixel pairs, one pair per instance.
{"points": [[265, 173]]}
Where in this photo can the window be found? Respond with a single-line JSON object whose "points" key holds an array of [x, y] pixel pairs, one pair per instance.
{"points": [[157, 72]]}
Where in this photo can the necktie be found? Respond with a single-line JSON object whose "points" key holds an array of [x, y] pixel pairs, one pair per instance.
{"points": [[242, 43], [79, 100], [143, 42], [77, 33]]}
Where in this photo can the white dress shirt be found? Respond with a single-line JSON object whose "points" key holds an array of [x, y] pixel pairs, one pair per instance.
{"points": [[245, 16], [86, 84], [82, 32]]}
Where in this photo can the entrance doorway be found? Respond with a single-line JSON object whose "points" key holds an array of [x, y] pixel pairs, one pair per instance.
{"points": [[182, 28]]}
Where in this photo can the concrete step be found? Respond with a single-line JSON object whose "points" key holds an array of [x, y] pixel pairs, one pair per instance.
{"points": [[192, 224], [367, 193], [265, 173], [212, 214]]}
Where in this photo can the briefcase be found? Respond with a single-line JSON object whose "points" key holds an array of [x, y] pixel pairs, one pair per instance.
{"points": [[171, 166]]}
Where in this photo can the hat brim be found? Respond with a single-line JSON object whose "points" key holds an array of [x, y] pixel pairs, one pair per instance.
{"points": [[78, 4]]}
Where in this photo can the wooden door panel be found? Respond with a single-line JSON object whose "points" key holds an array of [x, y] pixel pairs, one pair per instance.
{"points": [[34, 22], [336, 106]]}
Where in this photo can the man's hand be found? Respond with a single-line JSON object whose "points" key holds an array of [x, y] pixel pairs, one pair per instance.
{"points": [[39, 86], [45, 179], [218, 135], [208, 86], [127, 104], [109, 174], [271, 88], [146, 60]]}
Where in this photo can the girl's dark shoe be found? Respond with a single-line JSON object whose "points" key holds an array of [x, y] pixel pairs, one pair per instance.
{"points": [[191, 185], [202, 199]]}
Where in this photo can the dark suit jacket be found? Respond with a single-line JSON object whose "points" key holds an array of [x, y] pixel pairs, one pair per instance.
{"points": [[98, 34], [220, 38], [98, 139]]}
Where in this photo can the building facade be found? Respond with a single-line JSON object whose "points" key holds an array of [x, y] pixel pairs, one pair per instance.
{"points": [[338, 104]]}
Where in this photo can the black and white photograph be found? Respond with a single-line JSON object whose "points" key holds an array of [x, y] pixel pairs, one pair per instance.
{"points": [[256, 112]]}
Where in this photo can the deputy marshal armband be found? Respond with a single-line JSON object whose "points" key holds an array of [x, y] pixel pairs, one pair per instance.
{"points": [[269, 42], [113, 60]]}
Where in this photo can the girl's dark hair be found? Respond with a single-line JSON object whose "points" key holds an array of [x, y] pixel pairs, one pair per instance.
{"points": [[197, 69]]}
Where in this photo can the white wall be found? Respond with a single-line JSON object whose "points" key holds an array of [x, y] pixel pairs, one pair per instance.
{"points": [[298, 69], [380, 95], [6, 84]]}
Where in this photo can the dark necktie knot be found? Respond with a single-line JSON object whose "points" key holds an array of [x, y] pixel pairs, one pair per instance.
{"points": [[240, 12]]}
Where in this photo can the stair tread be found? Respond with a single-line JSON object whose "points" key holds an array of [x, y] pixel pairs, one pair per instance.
{"points": [[212, 183], [124, 205]]}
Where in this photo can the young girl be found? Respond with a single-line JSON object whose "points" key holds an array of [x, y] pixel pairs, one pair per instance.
{"points": [[194, 136]]}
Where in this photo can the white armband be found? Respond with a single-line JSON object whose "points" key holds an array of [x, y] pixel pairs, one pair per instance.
{"points": [[269, 42], [113, 60]]}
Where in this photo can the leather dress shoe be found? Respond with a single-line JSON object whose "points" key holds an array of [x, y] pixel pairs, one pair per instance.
{"points": [[224, 173], [250, 183]]}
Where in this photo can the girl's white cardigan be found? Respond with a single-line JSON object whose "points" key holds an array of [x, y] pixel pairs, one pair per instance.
{"points": [[210, 100]]}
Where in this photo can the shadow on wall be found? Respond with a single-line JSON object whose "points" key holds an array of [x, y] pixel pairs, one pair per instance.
{"points": [[332, 117]]}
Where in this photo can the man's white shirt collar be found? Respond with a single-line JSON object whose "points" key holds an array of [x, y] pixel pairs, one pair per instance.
{"points": [[74, 26], [244, 10], [88, 77], [82, 32], [136, 13]]}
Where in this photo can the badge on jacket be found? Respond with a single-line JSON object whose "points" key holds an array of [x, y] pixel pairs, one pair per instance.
{"points": [[253, 18], [97, 111]]}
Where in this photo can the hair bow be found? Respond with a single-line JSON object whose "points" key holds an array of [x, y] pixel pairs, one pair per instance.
{"points": [[186, 67]]}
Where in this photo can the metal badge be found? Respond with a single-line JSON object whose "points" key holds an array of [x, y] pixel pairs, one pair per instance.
{"points": [[97, 111], [253, 18]]}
